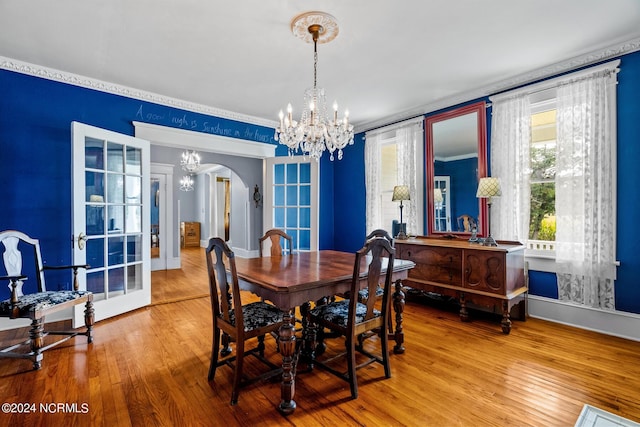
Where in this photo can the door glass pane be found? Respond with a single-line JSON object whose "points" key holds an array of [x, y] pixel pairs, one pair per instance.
{"points": [[116, 219], [278, 193], [134, 161], [292, 173], [95, 284], [134, 219], [94, 220], [116, 251], [134, 277], [94, 186], [116, 282], [93, 153], [95, 253], [115, 190], [134, 248], [134, 189], [292, 195], [115, 160], [278, 174]]}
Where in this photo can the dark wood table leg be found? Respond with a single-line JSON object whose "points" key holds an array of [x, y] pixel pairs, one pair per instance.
{"points": [[307, 352], [398, 307], [287, 348]]}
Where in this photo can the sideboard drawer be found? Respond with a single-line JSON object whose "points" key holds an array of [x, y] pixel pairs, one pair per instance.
{"points": [[442, 265]]}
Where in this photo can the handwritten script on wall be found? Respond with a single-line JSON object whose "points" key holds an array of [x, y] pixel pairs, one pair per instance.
{"points": [[205, 124]]}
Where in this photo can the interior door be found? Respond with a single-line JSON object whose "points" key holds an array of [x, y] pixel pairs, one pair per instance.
{"points": [[291, 199], [111, 219]]}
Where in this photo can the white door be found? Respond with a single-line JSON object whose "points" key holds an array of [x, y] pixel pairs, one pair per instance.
{"points": [[111, 219], [291, 199]]}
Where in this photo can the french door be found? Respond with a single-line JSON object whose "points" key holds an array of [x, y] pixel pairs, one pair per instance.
{"points": [[291, 199], [111, 219]]}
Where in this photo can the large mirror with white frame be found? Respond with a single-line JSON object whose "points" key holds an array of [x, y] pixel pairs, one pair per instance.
{"points": [[456, 158]]}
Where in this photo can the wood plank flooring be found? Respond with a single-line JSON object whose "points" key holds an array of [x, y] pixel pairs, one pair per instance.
{"points": [[149, 368]]}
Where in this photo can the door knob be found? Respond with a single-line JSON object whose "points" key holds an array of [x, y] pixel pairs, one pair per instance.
{"points": [[82, 239]]}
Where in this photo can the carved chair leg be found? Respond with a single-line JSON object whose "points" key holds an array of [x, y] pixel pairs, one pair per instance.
{"points": [[226, 347], [464, 314], [36, 336], [213, 364], [261, 345], [89, 320]]}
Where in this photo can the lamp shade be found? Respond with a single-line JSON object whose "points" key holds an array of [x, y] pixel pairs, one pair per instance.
{"points": [[400, 192], [437, 195], [488, 187]]}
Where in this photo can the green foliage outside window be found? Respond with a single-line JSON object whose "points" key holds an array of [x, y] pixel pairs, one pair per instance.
{"points": [[542, 224]]}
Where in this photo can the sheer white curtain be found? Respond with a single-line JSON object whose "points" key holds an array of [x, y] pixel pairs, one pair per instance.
{"points": [[585, 190], [372, 180], [510, 145], [407, 140]]}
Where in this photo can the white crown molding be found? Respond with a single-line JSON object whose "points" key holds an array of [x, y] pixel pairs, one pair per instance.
{"points": [[112, 88], [613, 51]]}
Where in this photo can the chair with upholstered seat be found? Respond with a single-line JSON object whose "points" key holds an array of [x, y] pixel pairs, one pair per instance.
{"points": [[351, 319], [277, 237], [239, 322], [21, 251]]}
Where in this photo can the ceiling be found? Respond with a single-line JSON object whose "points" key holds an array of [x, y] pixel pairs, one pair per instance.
{"points": [[390, 60]]}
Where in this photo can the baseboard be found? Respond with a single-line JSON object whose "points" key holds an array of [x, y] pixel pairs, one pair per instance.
{"points": [[244, 253], [173, 263], [617, 323]]}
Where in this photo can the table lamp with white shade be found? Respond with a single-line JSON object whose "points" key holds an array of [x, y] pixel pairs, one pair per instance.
{"points": [[487, 188], [401, 193]]}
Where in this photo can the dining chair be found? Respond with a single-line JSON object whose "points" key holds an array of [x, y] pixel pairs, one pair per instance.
{"points": [[466, 223], [276, 236], [350, 318], [22, 259], [240, 322]]}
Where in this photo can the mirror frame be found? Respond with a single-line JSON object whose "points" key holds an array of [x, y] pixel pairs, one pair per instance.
{"points": [[480, 109]]}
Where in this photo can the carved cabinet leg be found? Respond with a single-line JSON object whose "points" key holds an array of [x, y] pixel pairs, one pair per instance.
{"points": [[464, 314], [506, 321], [287, 348], [398, 307]]}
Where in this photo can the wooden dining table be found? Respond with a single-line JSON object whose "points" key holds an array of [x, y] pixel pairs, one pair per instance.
{"points": [[295, 280]]}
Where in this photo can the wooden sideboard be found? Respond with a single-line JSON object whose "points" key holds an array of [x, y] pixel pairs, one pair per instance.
{"points": [[490, 277], [190, 234]]}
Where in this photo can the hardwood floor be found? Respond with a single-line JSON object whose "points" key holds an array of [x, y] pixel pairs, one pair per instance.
{"points": [[149, 368]]}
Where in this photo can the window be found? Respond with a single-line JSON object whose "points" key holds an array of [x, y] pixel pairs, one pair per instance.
{"points": [[393, 156], [554, 148], [542, 216]]}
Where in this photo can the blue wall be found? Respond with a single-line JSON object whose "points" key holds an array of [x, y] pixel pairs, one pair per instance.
{"points": [[35, 150], [351, 227]]}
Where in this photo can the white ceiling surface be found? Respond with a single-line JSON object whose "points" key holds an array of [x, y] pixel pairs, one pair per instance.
{"points": [[391, 59]]}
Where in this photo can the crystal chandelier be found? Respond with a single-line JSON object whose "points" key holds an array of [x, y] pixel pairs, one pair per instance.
{"points": [[190, 161], [315, 132], [186, 183]]}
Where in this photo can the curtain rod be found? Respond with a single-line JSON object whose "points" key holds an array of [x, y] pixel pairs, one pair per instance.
{"points": [[388, 128], [551, 83]]}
